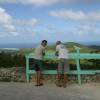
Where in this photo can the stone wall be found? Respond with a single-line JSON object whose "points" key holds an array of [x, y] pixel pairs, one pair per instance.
{"points": [[17, 74]]}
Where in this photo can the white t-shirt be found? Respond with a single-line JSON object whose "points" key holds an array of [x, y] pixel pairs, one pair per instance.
{"points": [[62, 51]]}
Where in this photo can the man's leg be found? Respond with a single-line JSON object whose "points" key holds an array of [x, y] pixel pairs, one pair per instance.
{"points": [[38, 75], [63, 80], [36, 78], [40, 64], [40, 78], [65, 69], [59, 74]]}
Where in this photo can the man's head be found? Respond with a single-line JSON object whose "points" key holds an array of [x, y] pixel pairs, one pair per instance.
{"points": [[58, 42], [44, 42]]}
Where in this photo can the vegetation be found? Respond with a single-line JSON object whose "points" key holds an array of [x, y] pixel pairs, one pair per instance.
{"points": [[17, 58], [11, 60]]}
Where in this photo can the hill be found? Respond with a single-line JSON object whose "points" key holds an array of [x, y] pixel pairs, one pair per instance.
{"points": [[9, 50], [71, 47], [94, 47]]}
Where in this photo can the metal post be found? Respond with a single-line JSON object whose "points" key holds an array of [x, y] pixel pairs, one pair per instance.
{"points": [[27, 69], [78, 65]]}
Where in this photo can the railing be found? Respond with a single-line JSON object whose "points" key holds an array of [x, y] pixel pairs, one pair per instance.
{"points": [[76, 56]]}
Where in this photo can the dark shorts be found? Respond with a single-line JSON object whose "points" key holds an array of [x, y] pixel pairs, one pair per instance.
{"points": [[38, 65], [63, 66]]}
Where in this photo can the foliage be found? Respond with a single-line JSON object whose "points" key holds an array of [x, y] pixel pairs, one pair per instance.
{"points": [[11, 60], [17, 59]]}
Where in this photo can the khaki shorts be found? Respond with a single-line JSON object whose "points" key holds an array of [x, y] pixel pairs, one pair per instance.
{"points": [[63, 66]]}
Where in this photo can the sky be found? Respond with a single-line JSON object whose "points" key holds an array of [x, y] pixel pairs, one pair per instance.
{"points": [[30, 21]]}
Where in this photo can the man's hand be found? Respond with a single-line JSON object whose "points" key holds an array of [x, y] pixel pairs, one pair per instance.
{"points": [[56, 53], [43, 53]]}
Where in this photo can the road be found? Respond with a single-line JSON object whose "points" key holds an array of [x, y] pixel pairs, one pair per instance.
{"points": [[27, 91]]}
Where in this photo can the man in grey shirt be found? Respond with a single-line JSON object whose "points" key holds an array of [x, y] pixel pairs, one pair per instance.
{"points": [[38, 59]]}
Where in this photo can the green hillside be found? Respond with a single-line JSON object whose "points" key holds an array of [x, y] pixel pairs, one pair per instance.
{"points": [[71, 47], [15, 58]]}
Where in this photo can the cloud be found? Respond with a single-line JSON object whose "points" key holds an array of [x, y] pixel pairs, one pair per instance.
{"points": [[39, 2], [26, 26], [9, 25], [76, 15], [88, 30], [48, 2], [14, 33], [32, 2], [31, 22], [87, 22], [8, 1], [6, 20], [81, 1]]}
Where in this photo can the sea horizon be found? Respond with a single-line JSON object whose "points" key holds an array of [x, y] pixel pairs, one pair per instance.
{"points": [[32, 45]]}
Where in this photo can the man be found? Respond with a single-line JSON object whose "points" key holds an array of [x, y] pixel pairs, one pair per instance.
{"points": [[38, 60], [63, 67]]}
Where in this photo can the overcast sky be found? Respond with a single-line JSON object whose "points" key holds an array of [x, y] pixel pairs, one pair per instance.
{"points": [[30, 21]]}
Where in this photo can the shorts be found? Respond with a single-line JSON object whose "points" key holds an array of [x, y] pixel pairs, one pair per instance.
{"points": [[38, 65], [63, 66]]}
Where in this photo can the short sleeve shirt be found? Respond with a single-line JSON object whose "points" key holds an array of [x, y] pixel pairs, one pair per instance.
{"points": [[62, 51], [38, 53]]}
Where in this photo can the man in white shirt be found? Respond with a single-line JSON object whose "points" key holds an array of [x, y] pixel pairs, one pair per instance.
{"points": [[62, 53]]}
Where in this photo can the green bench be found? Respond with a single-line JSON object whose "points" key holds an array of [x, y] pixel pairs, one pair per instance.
{"points": [[75, 56]]}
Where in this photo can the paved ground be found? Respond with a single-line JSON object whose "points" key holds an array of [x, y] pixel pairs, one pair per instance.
{"points": [[24, 91]]}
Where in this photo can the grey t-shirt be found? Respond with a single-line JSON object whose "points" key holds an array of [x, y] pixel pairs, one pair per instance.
{"points": [[38, 53]]}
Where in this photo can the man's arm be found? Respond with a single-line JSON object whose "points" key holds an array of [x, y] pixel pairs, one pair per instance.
{"points": [[43, 52], [57, 51]]}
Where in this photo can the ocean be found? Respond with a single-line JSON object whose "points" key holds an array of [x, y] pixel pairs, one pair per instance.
{"points": [[19, 45], [32, 45]]}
